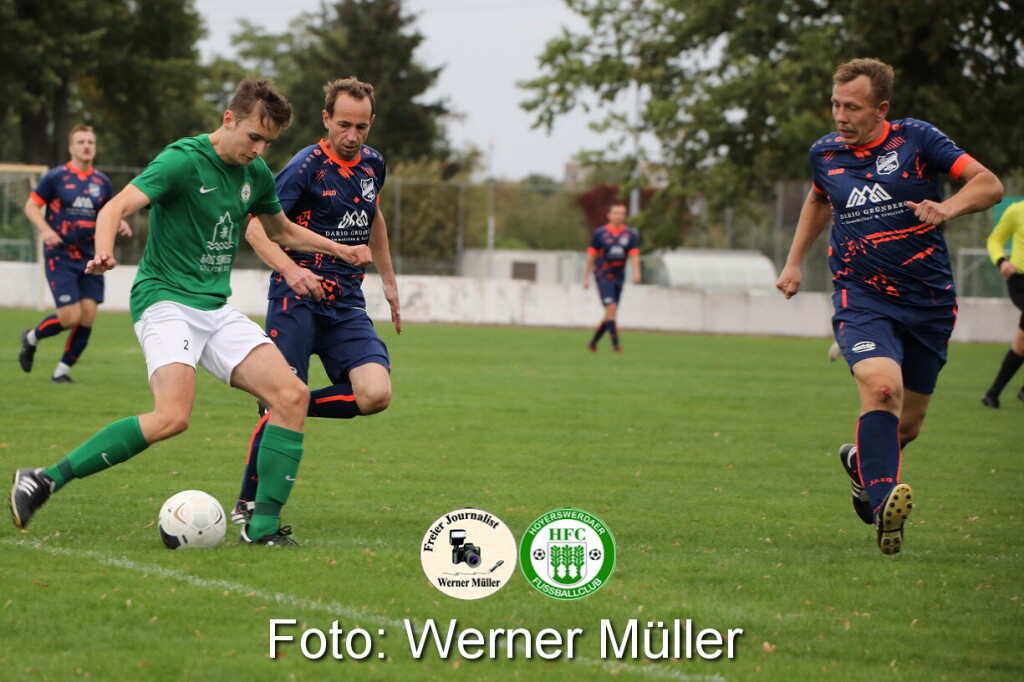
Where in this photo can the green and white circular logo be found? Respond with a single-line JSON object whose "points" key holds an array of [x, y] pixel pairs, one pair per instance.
{"points": [[468, 553], [245, 192], [567, 553]]}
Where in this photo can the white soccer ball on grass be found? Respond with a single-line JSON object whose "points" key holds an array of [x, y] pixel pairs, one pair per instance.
{"points": [[192, 518]]}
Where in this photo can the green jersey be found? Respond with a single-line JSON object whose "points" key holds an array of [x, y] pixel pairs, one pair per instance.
{"points": [[199, 208]]}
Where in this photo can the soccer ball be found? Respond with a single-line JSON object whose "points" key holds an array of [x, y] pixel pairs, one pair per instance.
{"points": [[191, 519], [595, 554], [538, 554]]}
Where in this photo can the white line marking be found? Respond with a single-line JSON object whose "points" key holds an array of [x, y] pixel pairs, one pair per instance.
{"points": [[329, 607]]}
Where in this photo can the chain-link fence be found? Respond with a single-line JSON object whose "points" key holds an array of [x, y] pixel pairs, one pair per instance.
{"points": [[431, 225]]}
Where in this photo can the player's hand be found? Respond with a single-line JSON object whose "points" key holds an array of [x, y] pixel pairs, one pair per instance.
{"points": [[931, 212], [52, 239], [356, 255], [124, 229], [101, 263], [1007, 269], [305, 283], [391, 296], [586, 283], [789, 280]]}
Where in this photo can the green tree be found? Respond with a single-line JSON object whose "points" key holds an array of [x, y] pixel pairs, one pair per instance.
{"points": [[130, 68], [372, 40], [735, 91]]}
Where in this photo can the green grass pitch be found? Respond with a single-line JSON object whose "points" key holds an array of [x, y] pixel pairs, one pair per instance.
{"points": [[711, 458]]}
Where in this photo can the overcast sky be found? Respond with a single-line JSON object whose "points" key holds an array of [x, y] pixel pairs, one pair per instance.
{"points": [[485, 47]]}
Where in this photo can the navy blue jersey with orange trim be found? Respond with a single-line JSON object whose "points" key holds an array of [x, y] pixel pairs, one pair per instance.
{"points": [[877, 243], [72, 198], [612, 247], [336, 199]]}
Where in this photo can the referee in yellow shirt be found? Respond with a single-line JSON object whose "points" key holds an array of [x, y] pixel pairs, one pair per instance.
{"points": [[1011, 225]]}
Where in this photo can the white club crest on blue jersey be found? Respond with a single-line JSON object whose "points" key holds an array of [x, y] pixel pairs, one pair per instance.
{"points": [[95, 190], [887, 163], [369, 191]]}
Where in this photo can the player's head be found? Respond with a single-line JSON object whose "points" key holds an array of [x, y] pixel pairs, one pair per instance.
{"points": [[82, 146], [861, 92], [349, 108], [617, 213], [255, 116]]}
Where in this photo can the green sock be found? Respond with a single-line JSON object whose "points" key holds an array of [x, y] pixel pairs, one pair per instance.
{"points": [[277, 465], [112, 445]]}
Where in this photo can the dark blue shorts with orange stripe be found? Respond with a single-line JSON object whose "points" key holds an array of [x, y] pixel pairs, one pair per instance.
{"points": [[343, 338], [916, 337]]}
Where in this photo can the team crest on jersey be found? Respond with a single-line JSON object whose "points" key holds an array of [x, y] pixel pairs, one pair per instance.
{"points": [[246, 192], [95, 190], [887, 163], [369, 191]]}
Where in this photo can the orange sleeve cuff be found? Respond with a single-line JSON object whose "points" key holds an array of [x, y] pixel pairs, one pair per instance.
{"points": [[960, 164], [634, 252], [591, 250], [36, 199], [817, 189]]}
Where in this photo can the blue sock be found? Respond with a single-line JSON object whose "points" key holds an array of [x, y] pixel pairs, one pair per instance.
{"points": [[599, 332], [334, 402], [78, 339], [878, 454], [48, 327], [613, 329]]}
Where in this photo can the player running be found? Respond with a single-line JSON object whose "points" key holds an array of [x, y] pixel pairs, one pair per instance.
{"points": [[70, 195], [316, 302], [877, 183], [609, 248]]}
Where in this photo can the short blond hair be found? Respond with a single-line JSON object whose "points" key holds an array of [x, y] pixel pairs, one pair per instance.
{"points": [[878, 72], [78, 129]]}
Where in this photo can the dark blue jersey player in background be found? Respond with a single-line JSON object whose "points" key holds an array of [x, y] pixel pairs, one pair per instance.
{"points": [[70, 195], [877, 183], [316, 304], [609, 248]]}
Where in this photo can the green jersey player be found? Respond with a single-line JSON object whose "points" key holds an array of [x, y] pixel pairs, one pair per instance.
{"points": [[201, 191]]}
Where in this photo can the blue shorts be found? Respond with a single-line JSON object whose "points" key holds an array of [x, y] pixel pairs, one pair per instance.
{"points": [[917, 338], [609, 290], [344, 338], [1015, 286], [68, 282]]}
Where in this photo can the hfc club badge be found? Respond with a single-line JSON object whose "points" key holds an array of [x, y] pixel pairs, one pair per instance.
{"points": [[567, 553]]}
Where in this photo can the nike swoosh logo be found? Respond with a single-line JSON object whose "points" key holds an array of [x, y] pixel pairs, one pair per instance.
{"points": [[104, 456], [289, 478], [204, 190]]}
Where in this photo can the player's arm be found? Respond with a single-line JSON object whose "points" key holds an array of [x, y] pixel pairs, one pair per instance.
{"points": [[381, 251], [109, 222], [815, 216], [981, 190], [588, 268], [286, 233], [1001, 233], [634, 259], [302, 281], [34, 213]]}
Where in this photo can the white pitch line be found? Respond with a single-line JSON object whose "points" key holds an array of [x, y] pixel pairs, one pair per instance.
{"points": [[330, 607]]}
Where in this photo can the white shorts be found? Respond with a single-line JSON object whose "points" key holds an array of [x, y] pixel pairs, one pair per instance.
{"points": [[217, 340]]}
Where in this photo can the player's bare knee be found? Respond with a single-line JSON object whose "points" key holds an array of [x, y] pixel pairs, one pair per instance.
{"points": [[167, 425], [372, 403], [291, 397]]}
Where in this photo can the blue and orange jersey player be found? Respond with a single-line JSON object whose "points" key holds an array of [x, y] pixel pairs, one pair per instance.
{"points": [[316, 304], [610, 247], [70, 196], [877, 183]]}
